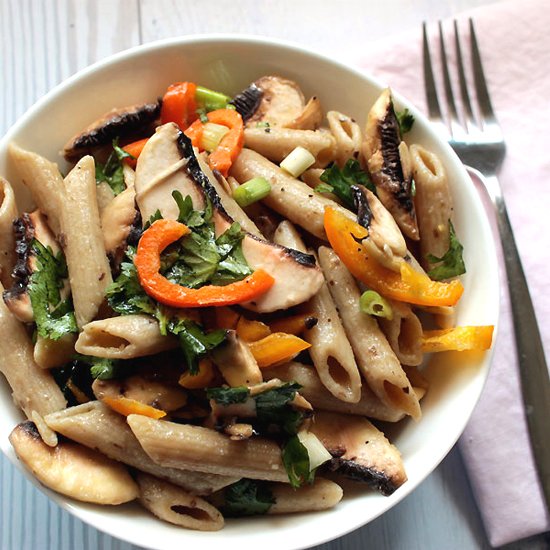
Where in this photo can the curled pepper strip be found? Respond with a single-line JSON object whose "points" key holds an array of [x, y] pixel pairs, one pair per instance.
{"points": [[408, 286], [147, 261], [231, 144]]}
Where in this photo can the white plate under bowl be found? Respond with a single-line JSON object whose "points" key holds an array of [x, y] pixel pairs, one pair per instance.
{"points": [[229, 63]]}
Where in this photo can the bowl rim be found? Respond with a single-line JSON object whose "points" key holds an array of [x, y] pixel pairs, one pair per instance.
{"points": [[78, 509]]}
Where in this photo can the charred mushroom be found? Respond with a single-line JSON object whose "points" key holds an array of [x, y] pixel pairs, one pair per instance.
{"points": [[73, 470], [170, 153], [122, 122], [387, 159], [26, 228], [360, 451]]}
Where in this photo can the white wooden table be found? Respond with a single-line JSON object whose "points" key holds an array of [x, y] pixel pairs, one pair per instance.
{"points": [[43, 42]]}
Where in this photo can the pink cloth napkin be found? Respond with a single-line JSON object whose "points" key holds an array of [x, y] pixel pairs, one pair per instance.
{"points": [[515, 48]]}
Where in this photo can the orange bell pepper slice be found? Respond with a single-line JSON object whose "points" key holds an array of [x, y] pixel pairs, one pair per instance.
{"points": [[251, 331], [231, 144], [135, 148], [127, 406], [194, 133], [179, 105], [200, 380], [276, 348], [147, 261], [467, 338], [295, 324], [408, 286]]}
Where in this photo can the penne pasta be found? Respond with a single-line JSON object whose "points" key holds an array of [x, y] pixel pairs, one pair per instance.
{"points": [[117, 219], [404, 333], [320, 495], [290, 197], [347, 134], [49, 354], [123, 337], [33, 389], [44, 181], [375, 358], [97, 427], [8, 213], [204, 450], [276, 143], [104, 196], [330, 349], [89, 271]]}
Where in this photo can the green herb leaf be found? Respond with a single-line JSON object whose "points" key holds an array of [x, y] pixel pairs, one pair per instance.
{"points": [[296, 462], [339, 181], [405, 120], [228, 396], [100, 367], [54, 317], [247, 497], [273, 409], [111, 172], [452, 261]]}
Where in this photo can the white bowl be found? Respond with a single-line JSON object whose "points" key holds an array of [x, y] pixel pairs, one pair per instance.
{"points": [[229, 63]]}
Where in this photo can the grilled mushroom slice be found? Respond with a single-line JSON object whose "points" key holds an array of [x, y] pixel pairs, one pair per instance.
{"points": [[26, 228], [360, 451], [168, 162], [73, 470], [122, 122], [387, 159]]}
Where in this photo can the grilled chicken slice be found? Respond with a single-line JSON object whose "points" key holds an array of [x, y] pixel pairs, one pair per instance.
{"points": [[73, 470], [387, 158], [121, 122], [167, 163], [360, 451]]}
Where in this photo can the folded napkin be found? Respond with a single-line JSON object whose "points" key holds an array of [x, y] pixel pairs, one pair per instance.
{"points": [[515, 49]]}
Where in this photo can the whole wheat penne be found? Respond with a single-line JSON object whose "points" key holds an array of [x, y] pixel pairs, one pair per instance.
{"points": [[204, 450], [8, 213], [288, 196], [375, 358], [321, 495], [321, 398], [123, 337], [104, 196], [404, 333], [347, 134], [33, 389], [433, 202], [175, 505], [49, 354], [98, 427], [330, 349], [89, 271], [44, 181], [276, 143]]}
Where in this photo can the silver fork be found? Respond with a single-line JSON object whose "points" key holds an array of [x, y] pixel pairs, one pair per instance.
{"points": [[480, 146]]}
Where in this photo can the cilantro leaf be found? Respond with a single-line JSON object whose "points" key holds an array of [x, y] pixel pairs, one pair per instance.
{"points": [[273, 409], [405, 120], [339, 181], [54, 317], [111, 172], [100, 367], [296, 462], [452, 261], [247, 497], [228, 396]]}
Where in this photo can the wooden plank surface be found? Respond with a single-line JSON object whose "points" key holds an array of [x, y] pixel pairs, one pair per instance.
{"points": [[43, 42]]}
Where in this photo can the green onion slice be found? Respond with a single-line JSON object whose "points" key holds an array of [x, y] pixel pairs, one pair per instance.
{"points": [[210, 99], [298, 161], [251, 191], [372, 303], [212, 134]]}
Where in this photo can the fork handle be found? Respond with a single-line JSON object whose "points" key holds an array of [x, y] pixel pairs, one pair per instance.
{"points": [[535, 380]]}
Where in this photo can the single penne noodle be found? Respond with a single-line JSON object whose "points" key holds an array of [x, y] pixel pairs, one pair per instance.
{"points": [[49, 437], [49, 354], [44, 181], [330, 349], [8, 213], [34, 389], [117, 219], [321, 398], [433, 203], [289, 196], [89, 271], [98, 427], [104, 196], [123, 337], [175, 505], [404, 333], [360, 450], [204, 450], [276, 143], [321, 495], [347, 134], [374, 355]]}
